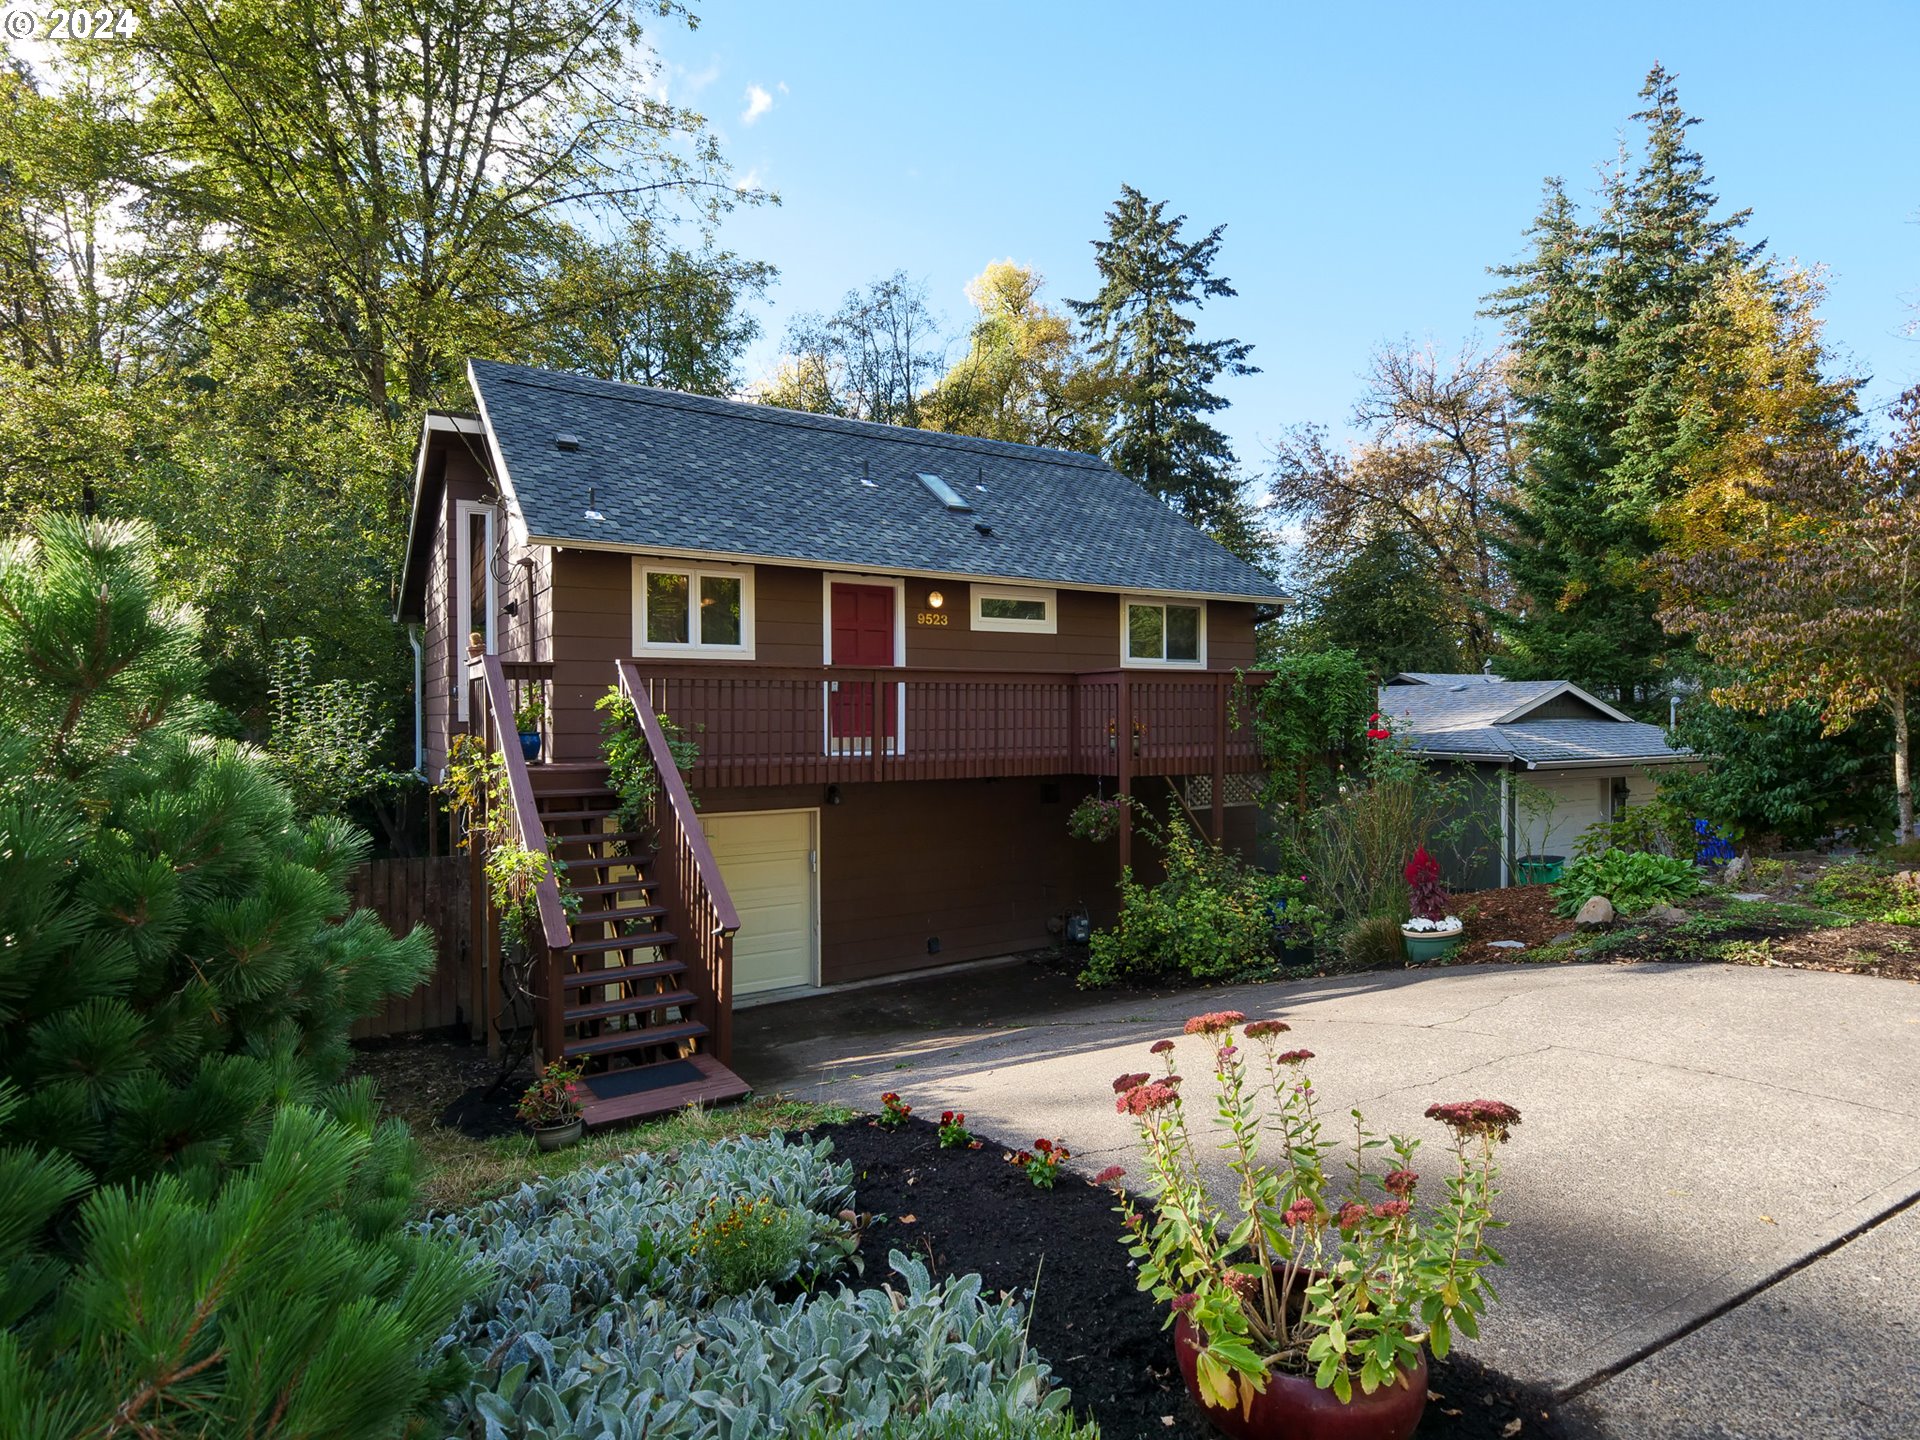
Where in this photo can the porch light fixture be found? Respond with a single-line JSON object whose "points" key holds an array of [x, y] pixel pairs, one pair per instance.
{"points": [[833, 794], [935, 599]]}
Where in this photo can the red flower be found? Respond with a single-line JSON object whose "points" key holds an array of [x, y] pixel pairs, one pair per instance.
{"points": [[890, 1097], [1476, 1117], [1124, 1083], [1184, 1303], [1110, 1174], [1245, 1286], [1302, 1212], [1263, 1029], [1045, 1147], [1400, 1182], [1294, 1057], [1214, 1022], [1391, 1210], [1161, 1047], [1351, 1214], [1145, 1099], [946, 1117]]}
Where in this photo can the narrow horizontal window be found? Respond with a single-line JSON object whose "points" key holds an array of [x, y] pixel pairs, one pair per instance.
{"points": [[1005, 608]]}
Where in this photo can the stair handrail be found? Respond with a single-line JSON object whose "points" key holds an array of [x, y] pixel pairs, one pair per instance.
{"points": [[674, 787], [526, 813]]}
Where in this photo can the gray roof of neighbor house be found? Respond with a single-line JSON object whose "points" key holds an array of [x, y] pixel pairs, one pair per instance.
{"points": [[674, 473], [1484, 717]]}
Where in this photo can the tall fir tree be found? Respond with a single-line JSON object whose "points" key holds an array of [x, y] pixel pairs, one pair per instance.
{"points": [[1158, 374], [1606, 320]]}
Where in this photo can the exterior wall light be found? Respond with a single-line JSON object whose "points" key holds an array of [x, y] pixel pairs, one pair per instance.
{"points": [[935, 599]]}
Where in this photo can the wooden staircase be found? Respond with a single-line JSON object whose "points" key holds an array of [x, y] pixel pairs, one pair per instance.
{"points": [[632, 963], [627, 1014]]}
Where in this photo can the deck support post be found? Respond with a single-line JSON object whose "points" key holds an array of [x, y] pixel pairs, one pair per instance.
{"points": [[1219, 817], [1123, 762]]}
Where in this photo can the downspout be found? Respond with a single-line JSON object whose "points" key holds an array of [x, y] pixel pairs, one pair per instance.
{"points": [[419, 666], [1506, 826]]}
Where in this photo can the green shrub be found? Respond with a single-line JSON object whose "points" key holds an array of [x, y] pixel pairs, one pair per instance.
{"points": [[1862, 889], [1632, 879], [750, 1242], [1374, 944], [1212, 918], [1658, 827], [200, 1227], [598, 1326]]}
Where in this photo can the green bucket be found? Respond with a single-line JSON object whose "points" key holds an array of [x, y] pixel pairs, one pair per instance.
{"points": [[1538, 869]]}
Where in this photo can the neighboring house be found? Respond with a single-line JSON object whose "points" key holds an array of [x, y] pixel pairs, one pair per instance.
{"points": [[1588, 760], [904, 656]]}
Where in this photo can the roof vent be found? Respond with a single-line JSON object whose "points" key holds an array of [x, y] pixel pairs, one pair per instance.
{"points": [[566, 440], [983, 527], [946, 494]]}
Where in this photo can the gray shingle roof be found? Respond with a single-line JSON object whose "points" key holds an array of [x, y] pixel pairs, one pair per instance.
{"points": [[1464, 718], [684, 473]]}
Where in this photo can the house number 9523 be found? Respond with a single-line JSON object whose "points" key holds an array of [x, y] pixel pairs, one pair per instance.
{"points": [[930, 617]]}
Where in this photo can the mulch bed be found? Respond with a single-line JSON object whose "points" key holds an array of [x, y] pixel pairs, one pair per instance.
{"points": [[1059, 1250], [1522, 912], [442, 1080]]}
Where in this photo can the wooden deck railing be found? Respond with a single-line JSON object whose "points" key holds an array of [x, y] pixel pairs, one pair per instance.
{"points": [[798, 725], [493, 705], [699, 909]]}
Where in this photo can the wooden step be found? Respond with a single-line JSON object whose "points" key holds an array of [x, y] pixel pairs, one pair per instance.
{"points": [[573, 792], [548, 816], [615, 917], [604, 862], [614, 887], [629, 1005], [626, 1095], [621, 974], [622, 1041], [645, 941], [597, 837]]}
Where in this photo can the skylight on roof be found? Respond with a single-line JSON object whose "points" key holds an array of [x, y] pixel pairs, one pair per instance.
{"points": [[945, 493]]}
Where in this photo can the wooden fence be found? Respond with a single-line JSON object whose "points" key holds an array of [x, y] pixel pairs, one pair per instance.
{"points": [[430, 891]]}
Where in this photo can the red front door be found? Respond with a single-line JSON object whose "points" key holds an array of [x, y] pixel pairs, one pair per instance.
{"points": [[860, 630]]}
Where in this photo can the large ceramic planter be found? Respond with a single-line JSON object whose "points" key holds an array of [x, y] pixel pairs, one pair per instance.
{"points": [[1292, 1407], [558, 1137], [530, 745], [1425, 945]]}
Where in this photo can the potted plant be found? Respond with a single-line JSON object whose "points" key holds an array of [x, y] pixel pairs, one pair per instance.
{"points": [[1534, 806], [528, 718], [1297, 1311], [1432, 931], [1096, 817], [551, 1107]]}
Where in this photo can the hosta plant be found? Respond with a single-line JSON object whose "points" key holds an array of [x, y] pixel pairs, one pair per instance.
{"points": [[1315, 1268], [1632, 879]]}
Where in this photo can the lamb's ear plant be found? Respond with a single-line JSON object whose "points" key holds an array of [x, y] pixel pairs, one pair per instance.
{"points": [[1341, 1280]]}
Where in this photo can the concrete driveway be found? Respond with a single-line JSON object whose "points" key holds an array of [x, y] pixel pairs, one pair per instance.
{"points": [[1705, 1195]]}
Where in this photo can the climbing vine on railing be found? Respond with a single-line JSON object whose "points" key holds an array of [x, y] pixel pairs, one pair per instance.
{"points": [[476, 789], [631, 773]]}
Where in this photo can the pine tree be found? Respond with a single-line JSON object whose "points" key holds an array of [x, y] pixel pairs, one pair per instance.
{"points": [[1607, 321], [1158, 376], [199, 1223]]}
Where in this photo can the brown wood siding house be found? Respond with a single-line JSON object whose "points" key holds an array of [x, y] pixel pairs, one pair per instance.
{"points": [[1000, 610]]}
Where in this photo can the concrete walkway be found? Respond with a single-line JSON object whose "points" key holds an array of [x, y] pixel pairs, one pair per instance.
{"points": [[1705, 1195]]}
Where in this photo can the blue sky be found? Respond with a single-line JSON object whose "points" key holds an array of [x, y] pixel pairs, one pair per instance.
{"points": [[1369, 161]]}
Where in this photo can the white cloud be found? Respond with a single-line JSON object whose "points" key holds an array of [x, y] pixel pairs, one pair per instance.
{"points": [[759, 102]]}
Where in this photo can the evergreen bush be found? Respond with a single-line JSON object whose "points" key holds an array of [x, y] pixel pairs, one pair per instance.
{"points": [[199, 1224]]}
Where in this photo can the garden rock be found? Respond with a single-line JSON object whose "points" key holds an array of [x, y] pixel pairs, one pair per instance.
{"points": [[1666, 915], [1735, 868], [1506, 944], [1596, 914], [1749, 895]]}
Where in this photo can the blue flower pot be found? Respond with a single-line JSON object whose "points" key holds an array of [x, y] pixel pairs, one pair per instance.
{"points": [[530, 744]]}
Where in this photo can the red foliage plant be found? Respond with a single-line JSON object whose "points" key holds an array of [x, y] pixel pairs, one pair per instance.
{"points": [[1427, 896]]}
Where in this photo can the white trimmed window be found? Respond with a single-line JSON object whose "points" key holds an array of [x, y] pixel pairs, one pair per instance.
{"points": [[475, 589], [692, 609], [1005, 607], [1163, 632]]}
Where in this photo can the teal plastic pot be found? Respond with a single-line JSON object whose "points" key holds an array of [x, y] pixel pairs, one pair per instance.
{"points": [[1424, 947], [1539, 869]]}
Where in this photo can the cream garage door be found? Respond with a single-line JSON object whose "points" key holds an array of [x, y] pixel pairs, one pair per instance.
{"points": [[766, 859]]}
